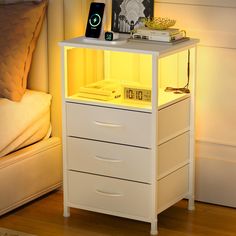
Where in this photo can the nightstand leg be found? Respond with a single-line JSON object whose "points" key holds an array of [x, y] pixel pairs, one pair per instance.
{"points": [[191, 205], [154, 230], [66, 211]]}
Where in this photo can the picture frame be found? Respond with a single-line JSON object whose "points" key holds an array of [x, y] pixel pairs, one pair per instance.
{"points": [[128, 14]]}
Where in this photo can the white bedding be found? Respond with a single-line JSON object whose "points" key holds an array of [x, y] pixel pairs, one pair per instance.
{"points": [[23, 123]]}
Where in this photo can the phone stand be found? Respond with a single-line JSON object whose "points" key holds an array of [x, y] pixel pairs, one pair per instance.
{"points": [[102, 33]]}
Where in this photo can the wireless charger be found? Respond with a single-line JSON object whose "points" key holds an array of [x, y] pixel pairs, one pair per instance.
{"points": [[95, 27], [105, 42]]}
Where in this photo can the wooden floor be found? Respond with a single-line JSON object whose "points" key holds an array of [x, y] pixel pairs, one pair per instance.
{"points": [[44, 217]]}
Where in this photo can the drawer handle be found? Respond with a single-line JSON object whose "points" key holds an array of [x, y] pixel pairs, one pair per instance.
{"points": [[109, 125], [108, 194], [100, 158]]}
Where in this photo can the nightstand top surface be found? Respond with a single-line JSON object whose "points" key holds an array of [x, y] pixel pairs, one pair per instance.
{"points": [[158, 48]]}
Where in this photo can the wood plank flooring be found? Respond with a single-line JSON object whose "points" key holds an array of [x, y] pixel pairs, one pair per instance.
{"points": [[44, 217]]}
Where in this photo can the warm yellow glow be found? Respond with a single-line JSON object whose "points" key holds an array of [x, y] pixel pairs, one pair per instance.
{"points": [[173, 70], [128, 67], [75, 70], [85, 66], [89, 66]]}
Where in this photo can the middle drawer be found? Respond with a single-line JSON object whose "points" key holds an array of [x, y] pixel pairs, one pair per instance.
{"points": [[108, 159], [107, 124]]}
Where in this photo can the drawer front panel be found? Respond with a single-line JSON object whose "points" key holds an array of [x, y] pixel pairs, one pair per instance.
{"points": [[109, 159], [106, 124], [173, 120], [172, 188], [173, 154], [109, 194]]}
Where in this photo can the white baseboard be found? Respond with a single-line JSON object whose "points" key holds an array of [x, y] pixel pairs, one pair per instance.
{"points": [[216, 173]]}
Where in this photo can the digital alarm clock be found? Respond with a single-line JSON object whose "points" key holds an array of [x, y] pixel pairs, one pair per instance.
{"points": [[137, 94]]}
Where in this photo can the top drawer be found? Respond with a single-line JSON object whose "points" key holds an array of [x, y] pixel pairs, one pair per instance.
{"points": [[107, 124], [173, 120]]}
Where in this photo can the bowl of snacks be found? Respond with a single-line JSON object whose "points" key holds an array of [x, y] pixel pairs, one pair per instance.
{"points": [[159, 23]]}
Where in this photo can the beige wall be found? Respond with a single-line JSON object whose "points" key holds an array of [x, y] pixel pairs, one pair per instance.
{"points": [[55, 34], [212, 21]]}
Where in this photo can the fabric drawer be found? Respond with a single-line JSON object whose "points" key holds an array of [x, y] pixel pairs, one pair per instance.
{"points": [[173, 154], [109, 195], [109, 159], [172, 188], [107, 124], [173, 120]]}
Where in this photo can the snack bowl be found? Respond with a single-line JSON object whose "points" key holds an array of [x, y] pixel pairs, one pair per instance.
{"points": [[159, 23]]}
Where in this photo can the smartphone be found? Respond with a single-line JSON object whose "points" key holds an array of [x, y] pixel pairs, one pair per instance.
{"points": [[94, 23]]}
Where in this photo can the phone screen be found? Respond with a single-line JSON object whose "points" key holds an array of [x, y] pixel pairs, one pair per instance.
{"points": [[94, 23]]}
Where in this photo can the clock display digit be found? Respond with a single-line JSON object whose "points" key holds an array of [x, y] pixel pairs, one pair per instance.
{"points": [[136, 94]]}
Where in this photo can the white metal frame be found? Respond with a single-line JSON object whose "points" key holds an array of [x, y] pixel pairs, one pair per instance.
{"points": [[156, 54]]}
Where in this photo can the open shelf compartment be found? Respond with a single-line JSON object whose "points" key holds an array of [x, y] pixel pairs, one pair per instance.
{"points": [[123, 79]]}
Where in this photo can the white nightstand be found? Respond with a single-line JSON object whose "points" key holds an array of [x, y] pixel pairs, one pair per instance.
{"points": [[123, 157]]}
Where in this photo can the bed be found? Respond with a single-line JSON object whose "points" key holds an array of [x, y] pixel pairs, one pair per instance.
{"points": [[30, 145]]}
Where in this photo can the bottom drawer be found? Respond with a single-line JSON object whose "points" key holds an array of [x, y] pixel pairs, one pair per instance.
{"points": [[172, 188], [109, 195]]}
